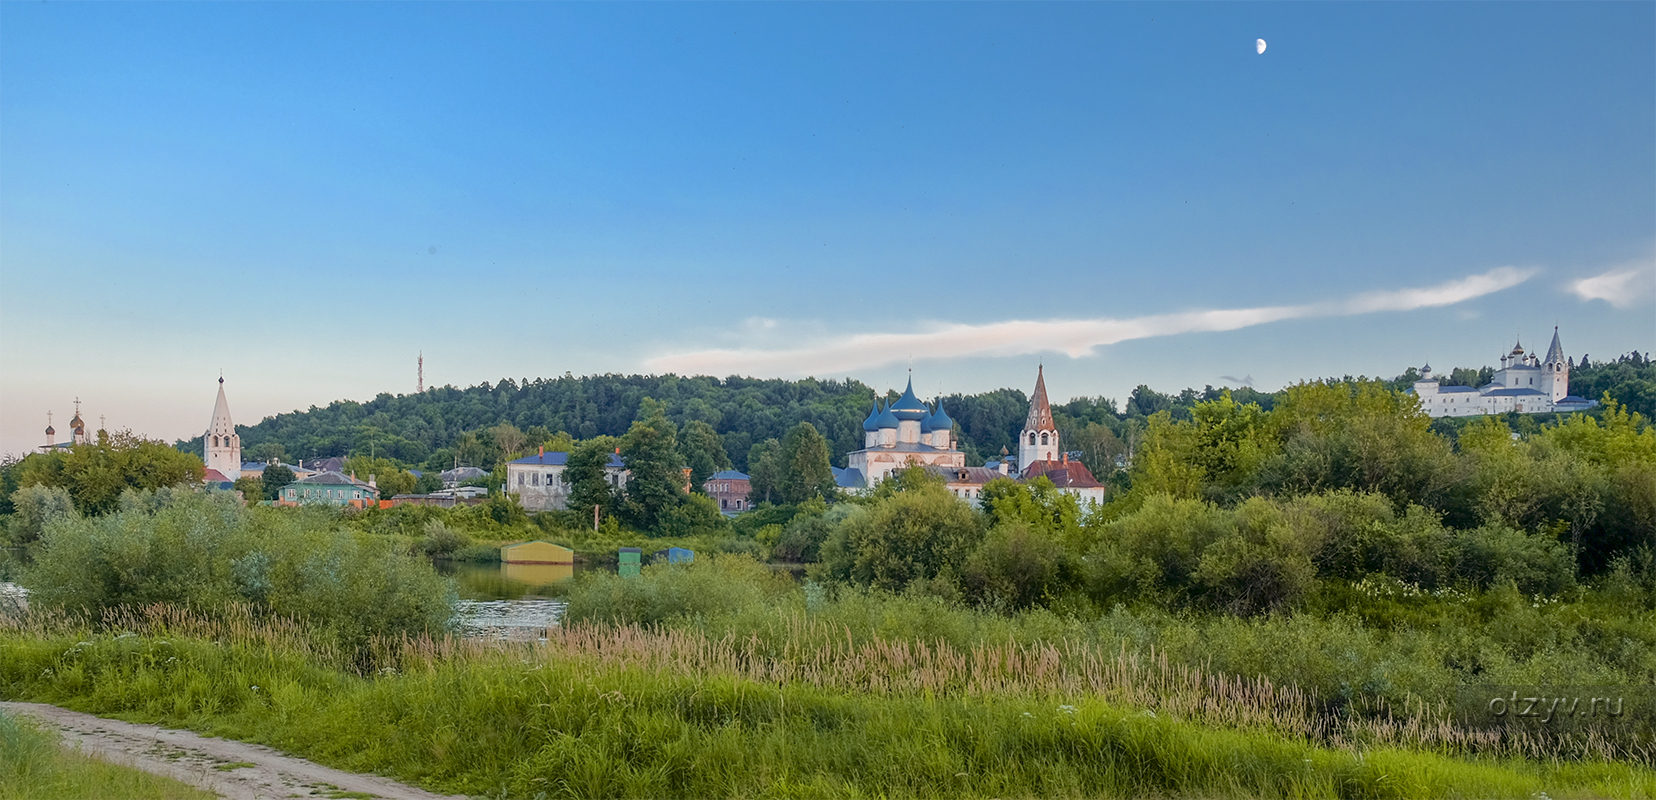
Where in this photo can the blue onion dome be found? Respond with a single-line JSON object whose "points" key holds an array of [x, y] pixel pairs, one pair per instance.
{"points": [[886, 419], [873, 422], [908, 407], [941, 421], [926, 423]]}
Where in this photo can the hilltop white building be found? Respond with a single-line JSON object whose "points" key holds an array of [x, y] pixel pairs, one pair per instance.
{"points": [[1525, 384]]}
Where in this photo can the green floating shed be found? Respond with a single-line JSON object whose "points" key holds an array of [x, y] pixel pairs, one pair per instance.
{"points": [[631, 558]]}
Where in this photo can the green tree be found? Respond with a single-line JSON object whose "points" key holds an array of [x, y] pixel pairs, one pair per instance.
{"points": [[655, 478], [274, 478], [589, 484], [804, 463], [765, 471], [508, 440], [36, 506], [267, 452], [388, 476], [703, 452], [96, 473]]}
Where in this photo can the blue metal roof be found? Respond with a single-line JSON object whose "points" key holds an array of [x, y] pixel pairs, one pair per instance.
{"points": [[849, 479], [560, 459], [908, 407], [1526, 392], [545, 459], [940, 420], [1455, 389], [873, 422], [727, 475]]}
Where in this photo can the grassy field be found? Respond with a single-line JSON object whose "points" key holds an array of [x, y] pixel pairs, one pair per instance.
{"points": [[34, 765], [623, 711]]}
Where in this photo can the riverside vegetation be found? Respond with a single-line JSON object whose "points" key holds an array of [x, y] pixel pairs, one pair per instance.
{"points": [[1278, 602]]}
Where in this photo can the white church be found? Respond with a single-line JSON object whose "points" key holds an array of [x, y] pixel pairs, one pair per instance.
{"points": [[905, 433], [910, 433], [222, 444], [1525, 384]]}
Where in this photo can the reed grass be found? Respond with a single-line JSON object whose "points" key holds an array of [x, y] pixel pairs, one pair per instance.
{"points": [[603, 711]]}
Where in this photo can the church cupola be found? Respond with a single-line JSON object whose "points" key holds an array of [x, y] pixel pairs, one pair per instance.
{"points": [[909, 411], [942, 427]]}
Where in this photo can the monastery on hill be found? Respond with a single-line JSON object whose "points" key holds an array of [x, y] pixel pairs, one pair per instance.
{"points": [[910, 433], [1524, 384]]}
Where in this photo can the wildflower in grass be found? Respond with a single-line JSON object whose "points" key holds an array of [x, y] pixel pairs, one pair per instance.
{"points": [[1067, 709]]}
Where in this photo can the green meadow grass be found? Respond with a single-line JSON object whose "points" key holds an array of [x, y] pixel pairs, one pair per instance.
{"points": [[35, 765], [629, 712]]}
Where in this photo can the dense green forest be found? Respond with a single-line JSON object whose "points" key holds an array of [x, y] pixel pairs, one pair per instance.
{"points": [[484, 424]]}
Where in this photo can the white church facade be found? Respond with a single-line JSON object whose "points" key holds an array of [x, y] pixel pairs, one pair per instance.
{"points": [[906, 433], [1525, 384]]}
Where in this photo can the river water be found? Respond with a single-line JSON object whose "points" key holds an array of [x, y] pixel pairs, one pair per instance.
{"points": [[509, 601], [497, 601]]}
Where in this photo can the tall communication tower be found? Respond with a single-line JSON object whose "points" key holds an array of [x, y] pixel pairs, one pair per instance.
{"points": [[419, 382]]}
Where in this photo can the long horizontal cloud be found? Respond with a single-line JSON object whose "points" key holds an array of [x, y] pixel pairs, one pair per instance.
{"points": [[1073, 337]]}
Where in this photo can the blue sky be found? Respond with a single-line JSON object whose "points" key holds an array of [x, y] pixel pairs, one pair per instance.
{"points": [[307, 195]]}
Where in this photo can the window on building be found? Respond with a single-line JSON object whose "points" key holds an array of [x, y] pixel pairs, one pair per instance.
{"points": [[1043, 438], [1031, 438], [534, 479]]}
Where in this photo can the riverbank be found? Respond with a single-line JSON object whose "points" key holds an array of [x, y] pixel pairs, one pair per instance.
{"points": [[606, 711]]}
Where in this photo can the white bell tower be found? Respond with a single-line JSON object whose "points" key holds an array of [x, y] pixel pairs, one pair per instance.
{"points": [[222, 444], [1038, 441]]}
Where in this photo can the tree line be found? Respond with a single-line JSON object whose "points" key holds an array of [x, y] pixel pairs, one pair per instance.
{"points": [[488, 424]]}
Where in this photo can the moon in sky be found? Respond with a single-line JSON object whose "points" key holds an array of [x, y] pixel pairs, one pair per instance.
{"points": [[1260, 45]]}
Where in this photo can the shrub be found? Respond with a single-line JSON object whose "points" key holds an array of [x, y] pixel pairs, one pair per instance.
{"points": [[1495, 553], [1155, 551], [713, 586], [207, 552], [35, 507], [441, 540], [1016, 565], [902, 537]]}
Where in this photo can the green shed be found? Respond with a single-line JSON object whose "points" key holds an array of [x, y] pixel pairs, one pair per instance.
{"points": [[630, 559]]}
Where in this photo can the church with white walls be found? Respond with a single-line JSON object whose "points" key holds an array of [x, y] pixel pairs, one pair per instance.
{"points": [[1525, 384], [906, 433], [222, 445], [911, 433]]}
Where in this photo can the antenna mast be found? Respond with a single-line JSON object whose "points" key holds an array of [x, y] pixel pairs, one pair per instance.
{"points": [[419, 384]]}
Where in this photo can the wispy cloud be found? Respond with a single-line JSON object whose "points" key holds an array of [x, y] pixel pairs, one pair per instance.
{"points": [[1073, 337], [1622, 287]]}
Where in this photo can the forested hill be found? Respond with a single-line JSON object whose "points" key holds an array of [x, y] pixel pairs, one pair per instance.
{"points": [[481, 424]]}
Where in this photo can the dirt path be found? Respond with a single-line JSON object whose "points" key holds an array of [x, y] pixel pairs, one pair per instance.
{"points": [[230, 769]]}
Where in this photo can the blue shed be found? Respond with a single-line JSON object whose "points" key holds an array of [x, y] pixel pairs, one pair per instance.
{"points": [[675, 555]]}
